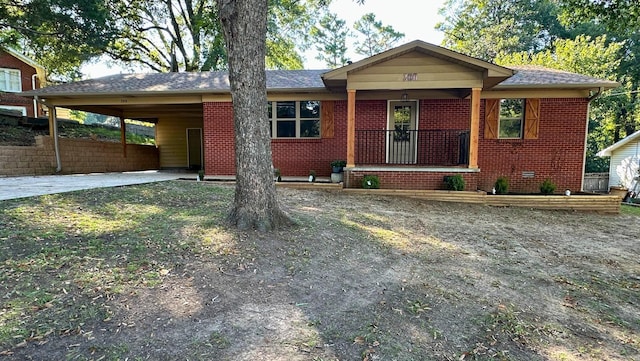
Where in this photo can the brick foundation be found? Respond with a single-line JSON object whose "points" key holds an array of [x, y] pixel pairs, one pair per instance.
{"points": [[413, 180]]}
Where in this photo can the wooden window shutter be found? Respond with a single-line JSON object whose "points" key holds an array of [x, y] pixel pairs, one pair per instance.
{"points": [[491, 116], [326, 119], [531, 118]]}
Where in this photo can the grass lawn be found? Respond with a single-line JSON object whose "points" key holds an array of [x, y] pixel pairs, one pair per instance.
{"points": [[153, 272], [630, 210]]}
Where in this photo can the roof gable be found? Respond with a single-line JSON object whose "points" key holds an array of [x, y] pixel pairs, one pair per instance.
{"points": [[416, 65], [22, 58], [40, 70], [607, 152]]}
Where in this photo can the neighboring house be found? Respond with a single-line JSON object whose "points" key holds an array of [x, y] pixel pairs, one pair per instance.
{"points": [[19, 74], [411, 115], [624, 161]]}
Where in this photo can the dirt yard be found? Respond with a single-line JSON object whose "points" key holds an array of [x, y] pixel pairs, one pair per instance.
{"points": [[153, 273]]}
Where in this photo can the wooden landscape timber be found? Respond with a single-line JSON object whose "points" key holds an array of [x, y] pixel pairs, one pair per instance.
{"points": [[580, 202]]}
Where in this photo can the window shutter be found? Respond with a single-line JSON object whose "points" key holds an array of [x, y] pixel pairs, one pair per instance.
{"points": [[491, 116], [531, 118], [326, 119]]}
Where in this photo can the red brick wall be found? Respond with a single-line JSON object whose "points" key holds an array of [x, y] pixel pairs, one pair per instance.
{"points": [[558, 153], [444, 114], [26, 72], [412, 180], [370, 115], [294, 157], [219, 149]]}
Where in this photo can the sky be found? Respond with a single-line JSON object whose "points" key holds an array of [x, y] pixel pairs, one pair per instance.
{"points": [[415, 18]]}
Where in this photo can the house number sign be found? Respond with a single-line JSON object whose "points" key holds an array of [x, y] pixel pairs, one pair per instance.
{"points": [[410, 76]]}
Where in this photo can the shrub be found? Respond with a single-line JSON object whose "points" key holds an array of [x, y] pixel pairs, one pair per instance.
{"points": [[277, 175], [547, 187], [502, 185], [370, 182], [338, 163], [454, 182]]}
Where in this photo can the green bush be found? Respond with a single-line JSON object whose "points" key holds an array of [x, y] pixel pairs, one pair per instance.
{"points": [[339, 163], [454, 182], [547, 187], [370, 182], [502, 185]]}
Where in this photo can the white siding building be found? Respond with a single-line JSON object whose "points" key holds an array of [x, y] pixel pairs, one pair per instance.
{"points": [[625, 158]]}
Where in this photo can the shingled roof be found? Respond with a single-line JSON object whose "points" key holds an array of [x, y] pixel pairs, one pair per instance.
{"points": [[172, 83], [533, 76], [283, 80]]}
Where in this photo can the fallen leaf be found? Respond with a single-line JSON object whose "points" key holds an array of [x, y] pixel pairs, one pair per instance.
{"points": [[359, 340]]}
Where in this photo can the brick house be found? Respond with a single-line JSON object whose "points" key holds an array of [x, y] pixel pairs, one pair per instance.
{"points": [[19, 74], [411, 115]]}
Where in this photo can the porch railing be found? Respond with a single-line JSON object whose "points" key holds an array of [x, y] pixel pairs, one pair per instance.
{"points": [[412, 147]]}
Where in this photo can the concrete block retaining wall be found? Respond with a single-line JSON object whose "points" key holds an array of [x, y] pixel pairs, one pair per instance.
{"points": [[77, 156]]}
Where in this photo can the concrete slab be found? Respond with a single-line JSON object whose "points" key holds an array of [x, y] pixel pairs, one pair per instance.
{"points": [[29, 186]]}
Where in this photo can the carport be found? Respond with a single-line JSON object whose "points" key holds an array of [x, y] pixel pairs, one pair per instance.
{"points": [[177, 113]]}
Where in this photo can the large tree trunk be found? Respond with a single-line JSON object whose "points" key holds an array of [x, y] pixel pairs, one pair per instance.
{"points": [[245, 24]]}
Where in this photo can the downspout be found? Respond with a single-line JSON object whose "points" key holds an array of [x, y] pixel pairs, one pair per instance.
{"points": [[586, 134], [35, 98]]}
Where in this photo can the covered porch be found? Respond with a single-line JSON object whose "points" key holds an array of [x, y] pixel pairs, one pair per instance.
{"points": [[432, 123]]}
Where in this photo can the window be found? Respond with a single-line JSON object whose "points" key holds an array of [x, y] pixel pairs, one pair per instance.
{"points": [[10, 80], [17, 109], [294, 119], [511, 118]]}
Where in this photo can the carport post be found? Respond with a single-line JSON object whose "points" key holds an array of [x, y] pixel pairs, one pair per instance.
{"points": [[123, 136], [53, 132]]}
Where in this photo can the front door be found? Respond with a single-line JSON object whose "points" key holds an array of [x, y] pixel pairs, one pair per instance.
{"points": [[402, 134], [194, 148]]}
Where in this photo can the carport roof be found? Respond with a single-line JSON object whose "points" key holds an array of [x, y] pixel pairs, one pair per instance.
{"points": [[179, 83]]}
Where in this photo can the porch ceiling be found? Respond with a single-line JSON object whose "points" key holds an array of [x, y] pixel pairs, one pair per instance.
{"points": [[146, 112]]}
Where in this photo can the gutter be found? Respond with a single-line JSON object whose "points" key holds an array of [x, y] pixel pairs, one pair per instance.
{"points": [[596, 95], [35, 98]]}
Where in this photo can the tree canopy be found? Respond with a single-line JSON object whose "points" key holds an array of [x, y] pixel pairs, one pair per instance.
{"points": [[59, 34], [176, 35], [330, 36], [375, 36], [583, 36]]}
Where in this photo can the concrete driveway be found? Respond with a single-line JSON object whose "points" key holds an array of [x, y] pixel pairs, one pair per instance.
{"points": [[29, 186]]}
